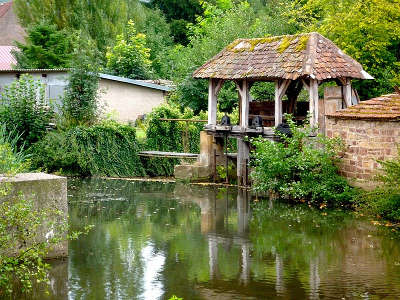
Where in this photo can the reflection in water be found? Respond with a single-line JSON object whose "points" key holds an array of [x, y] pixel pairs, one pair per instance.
{"points": [[154, 240]]}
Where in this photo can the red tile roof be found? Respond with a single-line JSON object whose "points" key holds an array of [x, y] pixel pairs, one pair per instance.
{"points": [[4, 8], [6, 58], [282, 57], [386, 107]]}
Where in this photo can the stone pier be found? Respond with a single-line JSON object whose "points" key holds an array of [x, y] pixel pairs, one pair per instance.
{"points": [[48, 192]]}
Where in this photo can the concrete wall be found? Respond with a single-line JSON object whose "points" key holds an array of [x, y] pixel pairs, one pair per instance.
{"points": [[128, 101], [366, 142], [48, 192]]}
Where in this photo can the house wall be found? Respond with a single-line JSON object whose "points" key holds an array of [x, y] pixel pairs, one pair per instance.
{"points": [[366, 141], [126, 102], [54, 83]]}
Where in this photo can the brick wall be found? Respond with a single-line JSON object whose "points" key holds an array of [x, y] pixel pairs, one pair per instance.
{"points": [[366, 142]]}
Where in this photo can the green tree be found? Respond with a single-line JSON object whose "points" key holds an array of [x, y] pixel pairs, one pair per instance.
{"points": [[179, 14], [80, 104], [46, 47], [102, 20], [369, 31], [130, 57]]}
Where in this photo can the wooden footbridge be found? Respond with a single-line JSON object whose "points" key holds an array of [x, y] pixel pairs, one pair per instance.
{"points": [[161, 154]]}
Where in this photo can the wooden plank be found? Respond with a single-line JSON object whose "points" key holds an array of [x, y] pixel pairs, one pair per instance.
{"points": [[185, 120], [162, 154]]}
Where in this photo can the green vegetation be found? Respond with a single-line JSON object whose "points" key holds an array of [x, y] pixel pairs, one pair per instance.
{"points": [[300, 168], [384, 201], [23, 108], [104, 149], [45, 48], [129, 57]]}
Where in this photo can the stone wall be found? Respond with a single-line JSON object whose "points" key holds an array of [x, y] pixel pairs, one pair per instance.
{"points": [[48, 192], [367, 141]]}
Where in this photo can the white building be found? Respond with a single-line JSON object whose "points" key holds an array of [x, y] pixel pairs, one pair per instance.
{"points": [[125, 99]]}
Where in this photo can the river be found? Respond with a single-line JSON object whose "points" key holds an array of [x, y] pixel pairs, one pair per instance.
{"points": [[154, 240]]}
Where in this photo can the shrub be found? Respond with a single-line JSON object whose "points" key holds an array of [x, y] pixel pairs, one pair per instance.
{"points": [[23, 108], [300, 168], [80, 104], [106, 149], [384, 201]]}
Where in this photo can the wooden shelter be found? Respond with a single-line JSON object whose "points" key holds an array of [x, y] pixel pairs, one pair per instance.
{"points": [[292, 62]]}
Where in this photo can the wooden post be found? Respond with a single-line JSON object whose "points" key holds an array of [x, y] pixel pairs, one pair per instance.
{"points": [[347, 92], [214, 86], [280, 90], [243, 88], [242, 158], [314, 102]]}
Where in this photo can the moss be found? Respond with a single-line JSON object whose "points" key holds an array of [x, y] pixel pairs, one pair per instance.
{"points": [[285, 43], [302, 43]]}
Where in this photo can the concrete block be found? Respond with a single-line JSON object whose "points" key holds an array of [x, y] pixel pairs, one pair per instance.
{"points": [[48, 192], [184, 172]]}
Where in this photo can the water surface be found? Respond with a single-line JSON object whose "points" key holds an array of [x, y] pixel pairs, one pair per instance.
{"points": [[153, 240]]}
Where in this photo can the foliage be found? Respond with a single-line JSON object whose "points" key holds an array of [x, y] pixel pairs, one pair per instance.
{"points": [[105, 149], [23, 108], [174, 297], [46, 48], [129, 57], [179, 13], [301, 168], [80, 104], [369, 31], [12, 160], [384, 200], [101, 20]]}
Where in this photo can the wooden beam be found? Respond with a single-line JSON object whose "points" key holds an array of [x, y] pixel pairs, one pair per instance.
{"points": [[212, 101], [280, 90], [313, 92], [244, 98]]}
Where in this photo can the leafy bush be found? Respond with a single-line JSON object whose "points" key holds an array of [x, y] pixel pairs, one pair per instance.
{"points": [[384, 201], [106, 149], [23, 108], [300, 168], [12, 160]]}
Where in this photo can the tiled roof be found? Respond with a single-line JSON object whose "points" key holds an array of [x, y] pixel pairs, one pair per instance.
{"points": [[6, 58], [4, 8], [282, 57], [386, 107]]}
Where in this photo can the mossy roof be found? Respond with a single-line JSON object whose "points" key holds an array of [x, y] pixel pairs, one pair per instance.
{"points": [[386, 107], [308, 55]]}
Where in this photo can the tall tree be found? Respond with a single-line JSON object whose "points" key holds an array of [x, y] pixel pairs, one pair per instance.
{"points": [[179, 14], [46, 47], [130, 57]]}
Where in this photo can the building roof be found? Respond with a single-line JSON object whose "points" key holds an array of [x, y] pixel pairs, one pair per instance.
{"points": [[308, 55], [4, 8], [162, 85], [10, 70], [6, 58], [386, 107], [136, 82]]}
